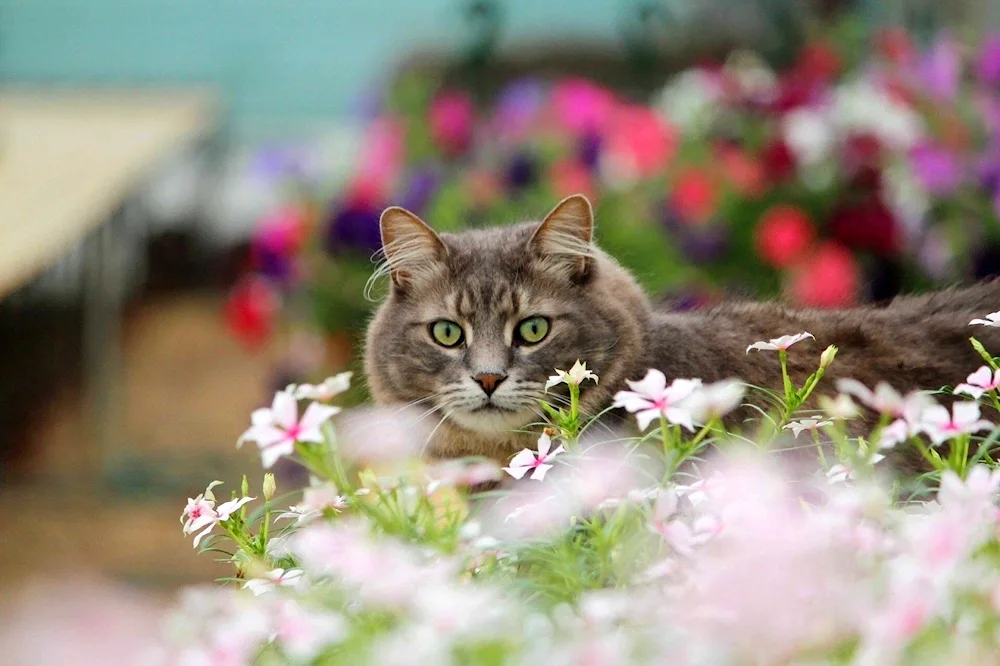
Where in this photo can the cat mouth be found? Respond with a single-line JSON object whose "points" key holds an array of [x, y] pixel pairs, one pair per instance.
{"points": [[490, 407]]}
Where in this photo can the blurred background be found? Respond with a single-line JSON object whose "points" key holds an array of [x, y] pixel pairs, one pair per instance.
{"points": [[190, 193]]}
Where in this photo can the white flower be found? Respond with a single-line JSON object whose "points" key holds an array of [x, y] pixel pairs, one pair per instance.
{"points": [[576, 376], [839, 474], [331, 387], [980, 487], [940, 425], [992, 319], [651, 398], [276, 430], [979, 382], [861, 107], [274, 578], [691, 101], [537, 463], [884, 400], [797, 427], [317, 498], [714, 400], [809, 134], [840, 408], [780, 344]]}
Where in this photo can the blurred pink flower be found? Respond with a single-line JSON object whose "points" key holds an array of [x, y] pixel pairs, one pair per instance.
{"points": [[571, 177], [464, 473], [303, 633], [381, 160], [828, 278], [384, 434], [318, 497], [640, 141], [451, 117], [651, 398], [714, 400], [535, 462], [324, 392], [940, 425], [936, 168], [275, 430], [581, 106], [979, 382], [974, 497], [988, 64], [798, 427]]}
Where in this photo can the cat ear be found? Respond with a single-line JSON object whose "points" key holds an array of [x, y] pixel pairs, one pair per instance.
{"points": [[564, 236], [408, 243]]}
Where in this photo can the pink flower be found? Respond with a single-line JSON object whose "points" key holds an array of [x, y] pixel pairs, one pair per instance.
{"points": [[940, 425], [317, 498], [451, 119], [273, 579], [276, 430], [651, 398], [639, 141], [780, 344], [537, 463], [884, 400], [979, 382], [202, 514]]}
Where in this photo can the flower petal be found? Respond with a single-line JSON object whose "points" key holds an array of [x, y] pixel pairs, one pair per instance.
{"points": [[540, 472], [285, 410], [316, 415]]}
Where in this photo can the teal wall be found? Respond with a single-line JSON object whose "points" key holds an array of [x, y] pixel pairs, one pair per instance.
{"points": [[272, 59]]}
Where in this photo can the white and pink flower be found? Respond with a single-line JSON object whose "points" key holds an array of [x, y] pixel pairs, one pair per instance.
{"points": [[979, 382], [537, 462], [780, 344], [277, 429], [652, 398]]}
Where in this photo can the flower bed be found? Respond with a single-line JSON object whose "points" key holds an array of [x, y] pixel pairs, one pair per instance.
{"points": [[864, 169], [692, 542]]}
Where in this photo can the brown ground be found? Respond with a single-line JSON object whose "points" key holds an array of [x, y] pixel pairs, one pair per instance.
{"points": [[188, 390]]}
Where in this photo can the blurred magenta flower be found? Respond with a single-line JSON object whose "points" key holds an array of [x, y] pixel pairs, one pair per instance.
{"points": [[276, 242], [451, 117], [936, 168], [518, 108], [940, 70], [988, 64], [582, 106], [829, 278], [571, 177]]}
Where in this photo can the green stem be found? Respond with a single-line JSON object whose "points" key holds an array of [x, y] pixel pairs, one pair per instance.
{"points": [[819, 448], [786, 381]]}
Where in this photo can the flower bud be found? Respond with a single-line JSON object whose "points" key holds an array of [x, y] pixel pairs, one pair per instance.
{"points": [[269, 486], [826, 358]]}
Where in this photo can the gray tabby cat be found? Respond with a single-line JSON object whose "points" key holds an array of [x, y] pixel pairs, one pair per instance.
{"points": [[475, 322]]}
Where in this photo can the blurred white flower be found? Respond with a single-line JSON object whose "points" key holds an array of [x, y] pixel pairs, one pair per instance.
{"points": [[714, 400], [797, 427], [330, 388], [809, 133], [576, 376], [274, 578], [779, 344], [992, 319], [691, 101], [979, 382]]}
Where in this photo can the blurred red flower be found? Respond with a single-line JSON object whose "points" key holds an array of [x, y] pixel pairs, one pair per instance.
{"points": [[818, 63], [867, 225], [895, 45], [251, 309], [778, 161], [828, 278], [451, 118], [783, 235], [695, 196]]}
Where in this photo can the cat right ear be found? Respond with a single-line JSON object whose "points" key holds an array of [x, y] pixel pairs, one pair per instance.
{"points": [[564, 237], [408, 243]]}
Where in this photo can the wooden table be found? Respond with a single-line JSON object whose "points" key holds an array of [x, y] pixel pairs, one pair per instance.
{"points": [[69, 159]]}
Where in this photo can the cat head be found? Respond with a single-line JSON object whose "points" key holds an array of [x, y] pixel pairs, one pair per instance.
{"points": [[475, 322]]}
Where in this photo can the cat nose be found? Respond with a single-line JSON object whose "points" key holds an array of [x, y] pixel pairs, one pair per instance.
{"points": [[489, 381]]}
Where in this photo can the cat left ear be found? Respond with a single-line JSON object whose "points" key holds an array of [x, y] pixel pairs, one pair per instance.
{"points": [[408, 243], [565, 235]]}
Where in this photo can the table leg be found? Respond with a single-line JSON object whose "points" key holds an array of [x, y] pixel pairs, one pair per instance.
{"points": [[102, 346]]}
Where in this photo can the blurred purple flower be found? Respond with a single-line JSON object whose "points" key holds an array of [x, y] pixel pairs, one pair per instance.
{"points": [[518, 107], [280, 162], [704, 243], [940, 70], [522, 172], [420, 188], [589, 150], [989, 169], [937, 169], [275, 265], [988, 65], [354, 226]]}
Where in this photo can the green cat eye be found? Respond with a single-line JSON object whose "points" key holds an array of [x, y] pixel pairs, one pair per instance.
{"points": [[446, 333], [533, 330]]}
